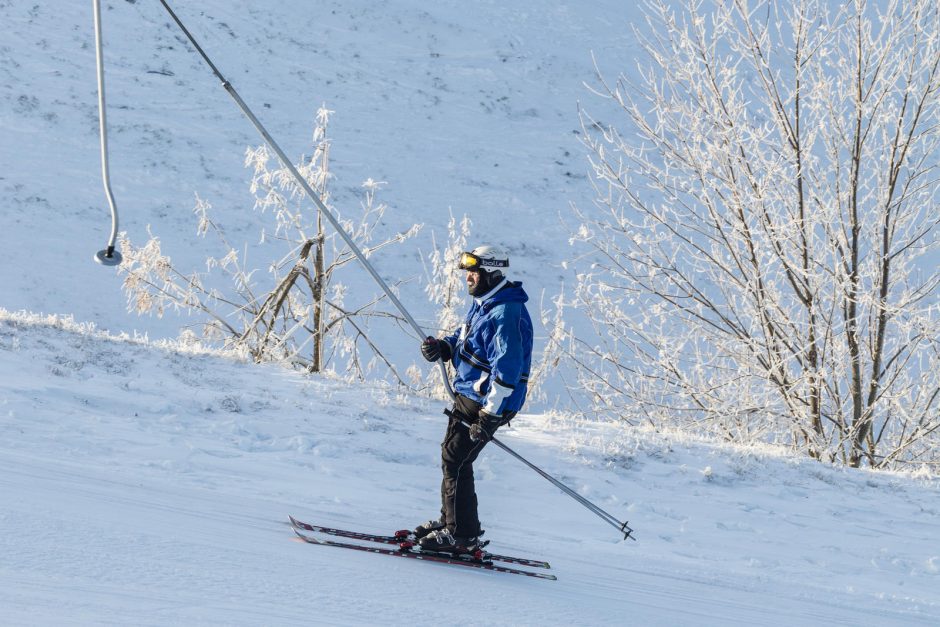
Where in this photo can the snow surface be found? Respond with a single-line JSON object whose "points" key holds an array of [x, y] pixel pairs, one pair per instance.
{"points": [[469, 107], [144, 482], [147, 484]]}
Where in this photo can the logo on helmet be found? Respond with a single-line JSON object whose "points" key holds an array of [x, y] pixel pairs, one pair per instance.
{"points": [[484, 258]]}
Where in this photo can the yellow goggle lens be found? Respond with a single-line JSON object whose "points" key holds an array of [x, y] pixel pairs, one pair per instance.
{"points": [[468, 262]]}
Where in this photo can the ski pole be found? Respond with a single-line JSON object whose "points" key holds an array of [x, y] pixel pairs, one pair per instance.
{"points": [[622, 527]]}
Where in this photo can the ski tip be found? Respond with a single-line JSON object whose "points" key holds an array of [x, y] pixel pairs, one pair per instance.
{"points": [[298, 524]]}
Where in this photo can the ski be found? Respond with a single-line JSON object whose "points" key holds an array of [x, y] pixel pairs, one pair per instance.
{"points": [[441, 558], [403, 539]]}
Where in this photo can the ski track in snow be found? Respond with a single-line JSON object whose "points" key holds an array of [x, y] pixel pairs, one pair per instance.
{"points": [[151, 485]]}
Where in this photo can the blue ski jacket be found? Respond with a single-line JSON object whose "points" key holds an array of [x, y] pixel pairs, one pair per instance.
{"points": [[492, 350]]}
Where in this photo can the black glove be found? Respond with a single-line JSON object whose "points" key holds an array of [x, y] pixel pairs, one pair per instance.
{"points": [[433, 349], [484, 428]]}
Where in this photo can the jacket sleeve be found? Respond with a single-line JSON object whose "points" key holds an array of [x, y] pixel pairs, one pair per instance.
{"points": [[505, 354], [452, 340]]}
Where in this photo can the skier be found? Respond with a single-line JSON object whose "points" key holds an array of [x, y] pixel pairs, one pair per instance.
{"points": [[491, 353]]}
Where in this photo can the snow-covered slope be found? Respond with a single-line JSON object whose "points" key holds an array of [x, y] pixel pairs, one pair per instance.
{"points": [[146, 484], [469, 107]]}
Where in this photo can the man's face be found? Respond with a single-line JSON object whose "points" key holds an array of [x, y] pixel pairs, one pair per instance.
{"points": [[473, 280]]}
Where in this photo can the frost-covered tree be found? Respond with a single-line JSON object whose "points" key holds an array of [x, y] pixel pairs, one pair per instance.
{"points": [[446, 290], [763, 245], [302, 313]]}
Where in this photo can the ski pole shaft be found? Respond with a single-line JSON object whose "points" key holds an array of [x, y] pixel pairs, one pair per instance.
{"points": [[622, 527]]}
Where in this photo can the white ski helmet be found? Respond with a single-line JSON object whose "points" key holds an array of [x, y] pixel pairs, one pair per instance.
{"points": [[485, 258]]}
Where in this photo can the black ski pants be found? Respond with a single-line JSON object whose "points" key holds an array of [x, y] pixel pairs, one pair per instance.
{"points": [[458, 452]]}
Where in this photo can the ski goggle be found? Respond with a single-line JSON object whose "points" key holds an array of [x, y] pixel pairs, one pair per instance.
{"points": [[469, 261]]}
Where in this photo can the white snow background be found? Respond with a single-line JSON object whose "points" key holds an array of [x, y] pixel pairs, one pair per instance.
{"points": [[143, 482]]}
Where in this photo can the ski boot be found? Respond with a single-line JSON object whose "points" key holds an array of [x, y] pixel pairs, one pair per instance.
{"points": [[443, 541], [420, 531]]}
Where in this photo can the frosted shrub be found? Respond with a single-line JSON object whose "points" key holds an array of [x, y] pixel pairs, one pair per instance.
{"points": [[545, 367], [446, 290], [301, 313]]}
